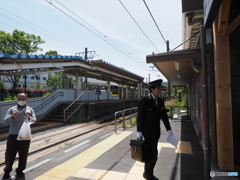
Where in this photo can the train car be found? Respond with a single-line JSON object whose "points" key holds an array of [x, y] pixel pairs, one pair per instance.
{"points": [[115, 91]]}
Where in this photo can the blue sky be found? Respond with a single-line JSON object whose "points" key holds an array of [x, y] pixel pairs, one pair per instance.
{"points": [[109, 18]]}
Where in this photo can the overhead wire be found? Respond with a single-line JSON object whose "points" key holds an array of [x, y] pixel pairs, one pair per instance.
{"points": [[90, 25], [6, 28], [39, 27], [155, 22], [138, 25], [8, 25], [94, 28], [58, 37], [30, 28], [93, 32], [34, 29], [42, 45]]}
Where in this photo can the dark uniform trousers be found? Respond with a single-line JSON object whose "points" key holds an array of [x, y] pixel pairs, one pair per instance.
{"points": [[14, 146], [151, 160]]}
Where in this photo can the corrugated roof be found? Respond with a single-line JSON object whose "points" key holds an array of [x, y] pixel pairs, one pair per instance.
{"points": [[27, 56], [69, 64]]}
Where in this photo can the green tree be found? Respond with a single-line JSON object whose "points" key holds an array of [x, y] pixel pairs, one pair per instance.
{"points": [[2, 85], [14, 80], [38, 85], [19, 42], [179, 94], [52, 52], [6, 42], [59, 80]]}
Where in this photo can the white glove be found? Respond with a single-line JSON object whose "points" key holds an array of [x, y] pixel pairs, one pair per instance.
{"points": [[139, 135], [170, 133]]}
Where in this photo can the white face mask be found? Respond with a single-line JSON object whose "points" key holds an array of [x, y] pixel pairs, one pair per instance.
{"points": [[21, 103]]}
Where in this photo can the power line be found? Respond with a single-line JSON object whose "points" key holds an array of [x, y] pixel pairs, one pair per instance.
{"points": [[93, 32], [60, 38], [6, 27], [155, 22], [138, 25], [38, 30], [30, 28], [95, 28], [42, 45], [90, 25]]}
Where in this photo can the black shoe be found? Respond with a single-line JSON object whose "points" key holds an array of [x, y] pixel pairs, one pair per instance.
{"points": [[150, 178], [20, 175], [154, 178], [6, 176]]}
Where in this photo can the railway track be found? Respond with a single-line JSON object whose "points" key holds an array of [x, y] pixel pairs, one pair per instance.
{"points": [[63, 137]]}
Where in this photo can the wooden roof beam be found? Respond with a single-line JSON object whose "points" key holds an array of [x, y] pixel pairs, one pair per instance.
{"points": [[223, 17], [234, 24]]}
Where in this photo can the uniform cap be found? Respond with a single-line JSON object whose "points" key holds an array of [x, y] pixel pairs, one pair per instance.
{"points": [[157, 82]]}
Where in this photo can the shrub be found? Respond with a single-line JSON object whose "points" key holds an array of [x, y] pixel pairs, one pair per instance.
{"points": [[46, 94], [3, 90], [10, 98]]}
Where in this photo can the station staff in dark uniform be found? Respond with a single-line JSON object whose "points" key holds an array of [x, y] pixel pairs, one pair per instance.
{"points": [[150, 109]]}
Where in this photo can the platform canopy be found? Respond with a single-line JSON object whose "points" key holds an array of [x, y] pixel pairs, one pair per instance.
{"points": [[176, 66], [16, 65]]}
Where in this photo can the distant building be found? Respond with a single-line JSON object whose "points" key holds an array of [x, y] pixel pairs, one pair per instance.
{"points": [[31, 81]]}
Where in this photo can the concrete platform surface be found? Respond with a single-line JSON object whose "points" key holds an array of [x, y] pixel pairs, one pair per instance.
{"points": [[110, 159]]}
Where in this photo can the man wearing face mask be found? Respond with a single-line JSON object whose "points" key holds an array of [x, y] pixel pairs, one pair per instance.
{"points": [[15, 117]]}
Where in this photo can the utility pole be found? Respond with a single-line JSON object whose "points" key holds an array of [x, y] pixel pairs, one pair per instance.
{"points": [[25, 83], [86, 57], [152, 68], [85, 54], [169, 85]]}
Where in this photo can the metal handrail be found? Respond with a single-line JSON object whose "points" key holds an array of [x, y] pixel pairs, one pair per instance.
{"points": [[71, 105], [48, 100], [130, 109], [123, 117], [115, 117]]}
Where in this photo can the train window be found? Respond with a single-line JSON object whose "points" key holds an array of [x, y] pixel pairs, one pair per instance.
{"points": [[114, 89]]}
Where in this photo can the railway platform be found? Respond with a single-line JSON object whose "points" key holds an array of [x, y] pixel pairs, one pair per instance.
{"points": [[106, 156], [110, 158]]}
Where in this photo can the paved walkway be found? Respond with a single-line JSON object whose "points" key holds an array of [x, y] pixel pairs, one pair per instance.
{"points": [[110, 159]]}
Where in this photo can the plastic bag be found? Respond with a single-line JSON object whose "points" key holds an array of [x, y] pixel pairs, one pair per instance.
{"points": [[25, 131]]}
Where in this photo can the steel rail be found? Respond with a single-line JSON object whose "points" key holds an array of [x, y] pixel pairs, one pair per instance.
{"points": [[57, 143]]}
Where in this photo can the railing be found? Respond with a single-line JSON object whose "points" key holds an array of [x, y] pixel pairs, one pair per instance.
{"points": [[75, 105], [123, 118], [49, 99], [130, 110], [117, 120]]}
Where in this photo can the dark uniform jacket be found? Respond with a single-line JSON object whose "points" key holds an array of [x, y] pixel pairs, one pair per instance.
{"points": [[148, 120]]}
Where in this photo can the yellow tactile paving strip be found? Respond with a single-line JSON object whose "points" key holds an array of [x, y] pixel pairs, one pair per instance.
{"points": [[72, 166], [135, 172], [184, 147], [36, 128]]}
